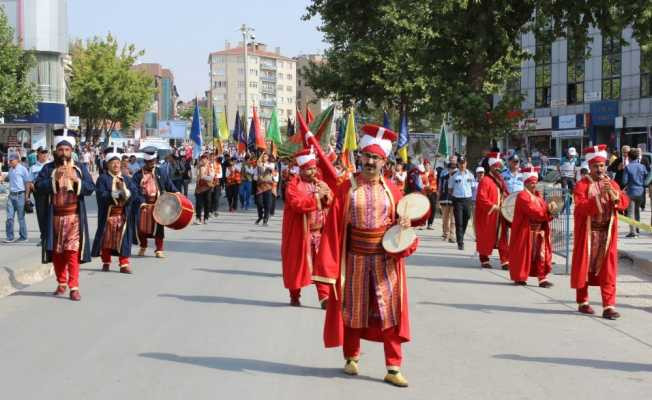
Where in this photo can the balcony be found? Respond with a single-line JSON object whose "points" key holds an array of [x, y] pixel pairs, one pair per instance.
{"points": [[267, 103], [268, 66], [268, 90], [268, 78]]}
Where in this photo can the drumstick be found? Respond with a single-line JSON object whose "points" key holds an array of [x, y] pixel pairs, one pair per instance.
{"points": [[400, 234]]}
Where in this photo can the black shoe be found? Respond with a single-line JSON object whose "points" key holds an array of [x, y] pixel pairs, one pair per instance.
{"points": [[520, 283], [630, 235], [460, 246], [505, 267], [258, 221]]}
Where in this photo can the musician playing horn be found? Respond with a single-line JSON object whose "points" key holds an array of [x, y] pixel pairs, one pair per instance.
{"points": [[595, 240], [491, 226], [116, 195], [307, 202], [151, 181], [370, 297], [65, 183], [530, 246]]}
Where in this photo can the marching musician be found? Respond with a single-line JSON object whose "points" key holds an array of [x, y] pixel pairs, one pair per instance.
{"points": [[431, 191], [65, 183], [530, 245], [307, 201], [369, 299], [595, 240], [232, 175], [151, 181], [117, 197], [491, 225], [216, 164], [205, 182]]}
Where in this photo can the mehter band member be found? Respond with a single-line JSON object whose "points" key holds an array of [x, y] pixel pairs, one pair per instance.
{"points": [[151, 181], [307, 201], [67, 243], [491, 226], [595, 240], [530, 245], [370, 297], [117, 196]]}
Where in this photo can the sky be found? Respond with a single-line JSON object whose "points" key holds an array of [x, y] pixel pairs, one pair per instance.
{"points": [[179, 35]]}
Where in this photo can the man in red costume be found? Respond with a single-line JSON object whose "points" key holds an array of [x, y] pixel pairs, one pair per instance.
{"points": [[370, 298], [307, 200], [595, 241], [530, 247], [491, 225]]}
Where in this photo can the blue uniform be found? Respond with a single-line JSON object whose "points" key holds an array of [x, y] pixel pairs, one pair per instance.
{"points": [[514, 182], [461, 184]]}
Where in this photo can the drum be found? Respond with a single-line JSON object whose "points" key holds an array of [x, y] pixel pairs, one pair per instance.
{"points": [[173, 210], [509, 204], [414, 206], [398, 239]]}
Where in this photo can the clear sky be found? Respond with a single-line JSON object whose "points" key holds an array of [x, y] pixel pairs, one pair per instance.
{"points": [[180, 34]]}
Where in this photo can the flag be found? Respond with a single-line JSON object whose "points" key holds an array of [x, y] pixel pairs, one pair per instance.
{"points": [[341, 126], [195, 132], [256, 139], [237, 127], [273, 132], [326, 166], [443, 141], [223, 127], [350, 143], [403, 137], [323, 125], [215, 130], [290, 128], [309, 117], [386, 123]]}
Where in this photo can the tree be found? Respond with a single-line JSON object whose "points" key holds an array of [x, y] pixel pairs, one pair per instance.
{"points": [[17, 93], [104, 90], [452, 55]]}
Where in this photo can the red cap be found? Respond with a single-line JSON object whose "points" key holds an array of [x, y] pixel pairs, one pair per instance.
{"points": [[377, 140], [530, 174], [306, 158], [595, 154], [494, 158]]}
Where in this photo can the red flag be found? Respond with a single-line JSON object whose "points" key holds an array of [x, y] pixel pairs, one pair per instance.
{"points": [[309, 116], [309, 140], [260, 138]]}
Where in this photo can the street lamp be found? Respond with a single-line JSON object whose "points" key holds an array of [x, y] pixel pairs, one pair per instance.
{"points": [[247, 32]]}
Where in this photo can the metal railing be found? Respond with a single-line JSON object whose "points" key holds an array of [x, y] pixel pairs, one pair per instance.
{"points": [[268, 78], [561, 229]]}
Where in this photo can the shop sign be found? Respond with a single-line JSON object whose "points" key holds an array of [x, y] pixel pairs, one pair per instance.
{"points": [[592, 96], [567, 121], [12, 139], [558, 103], [604, 113], [619, 122], [544, 123], [568, 133], [72, 122]]}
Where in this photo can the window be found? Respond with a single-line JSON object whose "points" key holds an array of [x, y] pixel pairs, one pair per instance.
{"points": [[543, 72], [253, 85], [289, 88], [575, 75], [241, 71], [611, 68], [240, 84], [646, 71], [289, 76]]}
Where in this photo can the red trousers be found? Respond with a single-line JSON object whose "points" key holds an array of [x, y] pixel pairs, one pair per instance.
{"points": [[391, 344], [143, 242], [323, 291], [503, 253], [66, 268], [106, 258], [608, 295]]}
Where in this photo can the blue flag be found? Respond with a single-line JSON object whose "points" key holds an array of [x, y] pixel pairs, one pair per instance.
{"points": [[341, 130], [237, 128], [403, 137], [251, 141], [386, 123], [195, 132]]}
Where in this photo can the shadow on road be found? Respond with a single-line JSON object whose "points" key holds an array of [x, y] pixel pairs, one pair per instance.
{"points": [[226, 300], [227, 248], [245, 364], [457, 280], [488, 308], [240, 272], [581, 362]]}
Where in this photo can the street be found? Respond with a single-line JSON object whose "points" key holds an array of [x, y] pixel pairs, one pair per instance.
{"points": [[212, 321]]}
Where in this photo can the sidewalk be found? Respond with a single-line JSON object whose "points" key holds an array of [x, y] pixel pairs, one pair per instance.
{"points": [[639, 250]]}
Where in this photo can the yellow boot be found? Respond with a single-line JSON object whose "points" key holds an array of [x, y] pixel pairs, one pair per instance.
{"points": [[141, 252], [395, 377], [159, 254], [351, 367]]}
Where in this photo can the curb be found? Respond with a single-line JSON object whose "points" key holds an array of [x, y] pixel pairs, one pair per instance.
{"points": [[642, 264], [13, 280]]}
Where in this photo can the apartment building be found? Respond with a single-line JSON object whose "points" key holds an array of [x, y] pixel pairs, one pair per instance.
{"points": [[164, 103]]}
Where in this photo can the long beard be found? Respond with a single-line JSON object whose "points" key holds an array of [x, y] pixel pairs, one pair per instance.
{"points": [[61, 159]]}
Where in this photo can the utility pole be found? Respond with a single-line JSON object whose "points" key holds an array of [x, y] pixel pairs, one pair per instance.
{"points": [[246, 34]]}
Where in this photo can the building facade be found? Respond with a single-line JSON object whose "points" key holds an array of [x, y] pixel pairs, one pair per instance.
{"points": [[41, 27], [572, 100], [164, 103], [271, 81]]}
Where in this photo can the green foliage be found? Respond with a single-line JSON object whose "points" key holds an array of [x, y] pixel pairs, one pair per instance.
{"points": [[103, 89], [450, 55], [17, 93]]}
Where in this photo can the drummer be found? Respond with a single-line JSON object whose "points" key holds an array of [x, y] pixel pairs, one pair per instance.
{"points": [[369, 299], [151, 181], [117, 195], [530, 246]]}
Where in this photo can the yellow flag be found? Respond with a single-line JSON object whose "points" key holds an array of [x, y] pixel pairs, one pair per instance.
{"points": [[350, 137], [403, 153], [224, 130]]}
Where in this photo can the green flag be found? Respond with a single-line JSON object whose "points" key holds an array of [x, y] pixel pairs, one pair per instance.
{"points": [[215, 131], [443, 141], [273, 130]]}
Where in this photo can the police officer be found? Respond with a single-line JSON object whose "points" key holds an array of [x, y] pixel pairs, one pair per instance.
{"points": [[460, 187], [512, 175]]}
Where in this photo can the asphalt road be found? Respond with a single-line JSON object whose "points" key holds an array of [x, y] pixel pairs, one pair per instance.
{"points": [[212, 322]]}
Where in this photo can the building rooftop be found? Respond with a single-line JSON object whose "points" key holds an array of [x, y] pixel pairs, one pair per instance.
{"points": [[259, 50]]}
